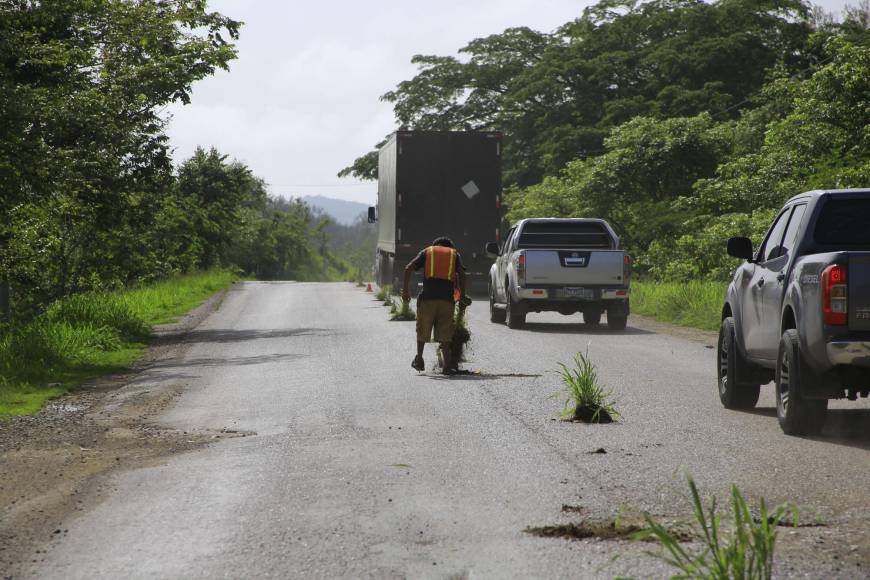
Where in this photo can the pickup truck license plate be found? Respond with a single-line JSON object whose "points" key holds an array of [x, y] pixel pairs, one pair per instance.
{"points": [[577, 292]]}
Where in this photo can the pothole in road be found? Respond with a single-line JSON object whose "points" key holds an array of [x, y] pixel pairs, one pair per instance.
{"points": [[600, 530]]}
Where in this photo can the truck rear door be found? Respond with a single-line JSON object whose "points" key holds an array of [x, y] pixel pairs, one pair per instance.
{"points": [[570, 253]]}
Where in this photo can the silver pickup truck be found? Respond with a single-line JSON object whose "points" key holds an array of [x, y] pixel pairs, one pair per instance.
{"points": [[561, 265], [798, 310]]}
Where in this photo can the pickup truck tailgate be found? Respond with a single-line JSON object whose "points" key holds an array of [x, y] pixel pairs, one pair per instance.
{"points": [[858, 280], [575, 267]]}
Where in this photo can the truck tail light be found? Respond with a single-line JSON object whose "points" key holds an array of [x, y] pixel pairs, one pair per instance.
{"points": [[521, 269], [626, 269], [835, 292]]}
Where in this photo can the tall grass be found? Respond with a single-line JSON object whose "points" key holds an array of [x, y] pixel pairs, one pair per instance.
{"points": [[88, 334], [743, 552], [696, 303], [586, 399]]}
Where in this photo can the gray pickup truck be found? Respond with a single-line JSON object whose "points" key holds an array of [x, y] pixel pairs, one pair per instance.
{"points": [[798, 310], [563, 265]]}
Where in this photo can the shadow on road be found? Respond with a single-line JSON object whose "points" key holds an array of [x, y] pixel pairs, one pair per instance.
{"points": [[569, 328], [225, 335], [850, 427], [230, 361], [481, 376]]}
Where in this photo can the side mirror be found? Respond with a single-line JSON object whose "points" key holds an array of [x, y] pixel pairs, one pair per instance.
{"points": [[740, 248], [492, 250], [373, 217]]}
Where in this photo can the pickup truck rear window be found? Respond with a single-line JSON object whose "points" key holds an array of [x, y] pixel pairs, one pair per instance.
{"points": [[844, 222], [565, 235]]}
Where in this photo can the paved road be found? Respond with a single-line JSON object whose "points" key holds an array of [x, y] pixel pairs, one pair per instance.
{"points": [[361, 468]]}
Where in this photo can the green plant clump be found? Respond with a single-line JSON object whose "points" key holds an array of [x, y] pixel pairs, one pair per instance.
{"points": [[384, 294], [587, 399], [696, 303], [743, 553], [403, 312]]}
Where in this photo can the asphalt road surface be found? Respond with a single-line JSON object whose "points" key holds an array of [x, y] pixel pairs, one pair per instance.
{"points": [[356, 466]]}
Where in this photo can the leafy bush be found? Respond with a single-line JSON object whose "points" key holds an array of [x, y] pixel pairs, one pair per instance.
{"points": [[743, 553]]}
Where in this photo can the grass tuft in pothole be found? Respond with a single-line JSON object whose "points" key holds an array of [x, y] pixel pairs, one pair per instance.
{"points": [[403, 312], [586, 399]]}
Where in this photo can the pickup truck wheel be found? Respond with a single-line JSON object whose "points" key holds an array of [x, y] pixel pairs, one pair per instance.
{"points": [[512, 317], [617, 321], [592, 318], [731, 365], [797, 415], [495, 314]]}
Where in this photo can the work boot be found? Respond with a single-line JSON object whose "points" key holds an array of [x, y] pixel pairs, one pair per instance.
{"points": [[417, 364]]}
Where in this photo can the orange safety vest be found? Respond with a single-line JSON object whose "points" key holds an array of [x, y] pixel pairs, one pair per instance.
{"points": [[440, 263]]}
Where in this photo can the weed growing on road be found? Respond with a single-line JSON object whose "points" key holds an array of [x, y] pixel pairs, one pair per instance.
{"points": [[587, 399], [745, 553], [403, 312], [384, 293]]}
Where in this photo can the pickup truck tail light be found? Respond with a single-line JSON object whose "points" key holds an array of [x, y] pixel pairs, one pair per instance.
{"points": [[521, 269], [626, 269], [835, 292]]}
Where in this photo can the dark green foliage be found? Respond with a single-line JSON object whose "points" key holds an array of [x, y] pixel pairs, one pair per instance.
{"points": [[89, 197], [682, 122]]}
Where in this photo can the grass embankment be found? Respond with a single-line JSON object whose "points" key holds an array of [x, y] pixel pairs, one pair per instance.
{"points": [[88, 335], [697, 304]]}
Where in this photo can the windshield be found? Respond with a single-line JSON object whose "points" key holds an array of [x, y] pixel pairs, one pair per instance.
{"points": [[844, 222]]}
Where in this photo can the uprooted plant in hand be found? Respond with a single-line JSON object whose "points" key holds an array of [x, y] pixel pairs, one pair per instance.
{"points": [[586, 399], [745, 552], [461, 335]]}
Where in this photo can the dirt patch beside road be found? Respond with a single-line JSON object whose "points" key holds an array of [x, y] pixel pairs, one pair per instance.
{"points": [[55, 463]]}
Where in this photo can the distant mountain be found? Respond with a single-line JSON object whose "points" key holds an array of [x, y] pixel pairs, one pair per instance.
{"points": [[343, 211]]}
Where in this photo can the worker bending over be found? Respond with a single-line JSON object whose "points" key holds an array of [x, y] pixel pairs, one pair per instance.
{"points": [[443, 275]]}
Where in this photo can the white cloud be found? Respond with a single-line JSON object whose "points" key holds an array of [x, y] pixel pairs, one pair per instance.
{"points": [[301, 102]]}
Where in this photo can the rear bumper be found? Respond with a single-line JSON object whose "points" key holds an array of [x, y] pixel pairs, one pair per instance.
{"points": [[558, 293], [849, 352]]}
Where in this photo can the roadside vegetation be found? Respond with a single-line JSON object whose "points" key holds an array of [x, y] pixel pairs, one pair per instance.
{"points": [[681, 123], [90, 334], [92, 200], [696, 303], [586, 399], [742, 549]]}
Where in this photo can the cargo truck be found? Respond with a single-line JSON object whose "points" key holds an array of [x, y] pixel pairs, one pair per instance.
{"points": [[437, 183]]}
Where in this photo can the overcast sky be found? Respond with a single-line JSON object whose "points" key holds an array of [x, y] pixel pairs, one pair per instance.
{"points": [[301, 101]]}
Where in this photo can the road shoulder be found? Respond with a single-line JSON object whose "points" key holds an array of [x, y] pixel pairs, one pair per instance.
{"points": [[55, 463]]}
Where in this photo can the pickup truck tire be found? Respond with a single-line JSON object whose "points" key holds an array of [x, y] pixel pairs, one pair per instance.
{"points": [[496, 315], [617, 321], [592, 318], [797, 415], [513, 318], [734, 393]]}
